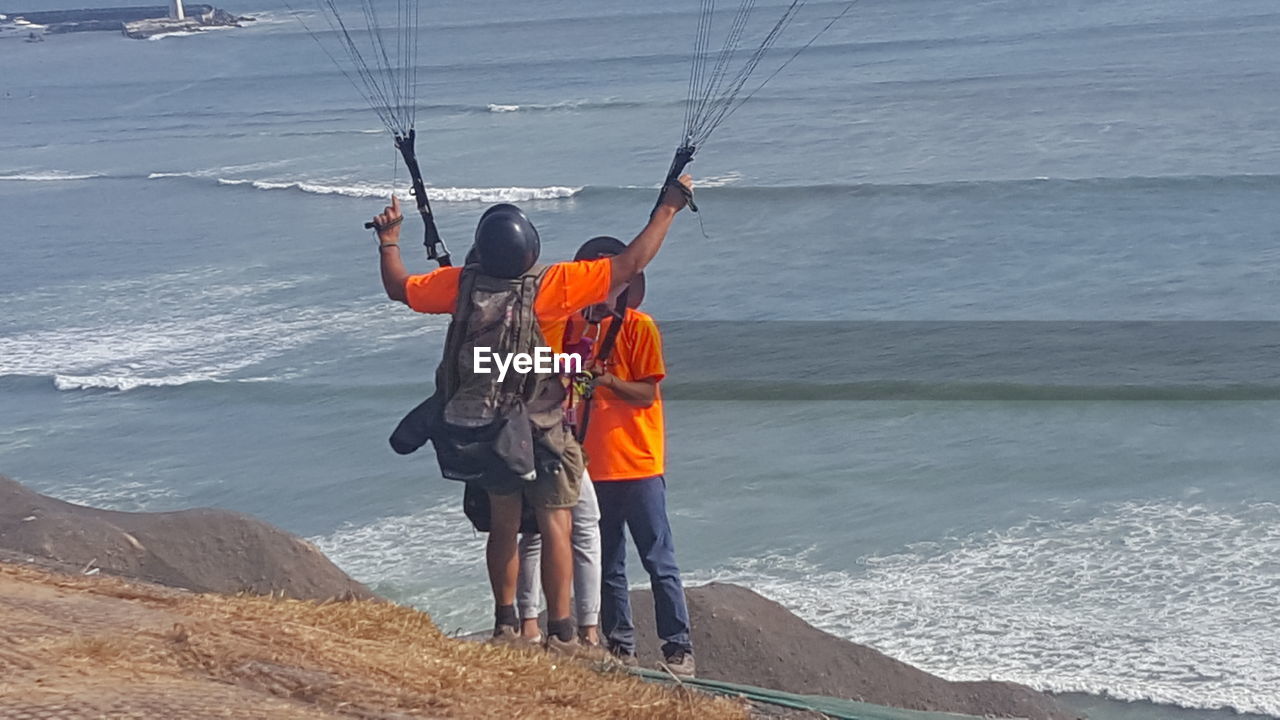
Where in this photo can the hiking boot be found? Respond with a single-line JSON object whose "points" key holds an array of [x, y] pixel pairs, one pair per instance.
{"points": [[679, 663]]}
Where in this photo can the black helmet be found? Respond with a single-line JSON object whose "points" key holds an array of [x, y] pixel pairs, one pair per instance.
{"points": [[506, 242], [605, 246], [473, 256]]}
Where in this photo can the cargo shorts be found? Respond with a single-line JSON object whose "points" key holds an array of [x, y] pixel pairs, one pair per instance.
{"points": [[550, 491]]}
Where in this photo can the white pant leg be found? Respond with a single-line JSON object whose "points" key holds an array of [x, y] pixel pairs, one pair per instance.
{"points": [[586, 562], [529, 587], [586, 555]]}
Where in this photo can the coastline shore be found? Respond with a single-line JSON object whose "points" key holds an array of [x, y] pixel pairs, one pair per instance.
{"points": [[239, 563]]}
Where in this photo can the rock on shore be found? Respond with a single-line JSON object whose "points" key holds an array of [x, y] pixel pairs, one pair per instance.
{"points": [[204, 550], [742, 637]]}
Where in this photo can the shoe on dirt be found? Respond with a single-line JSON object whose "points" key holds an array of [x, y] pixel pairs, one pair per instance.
{"points": [[556, 646], [628, 659], [679, 663], [505, 635]]}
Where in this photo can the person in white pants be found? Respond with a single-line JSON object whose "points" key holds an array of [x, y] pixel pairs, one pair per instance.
{"points": [[586, 572]]}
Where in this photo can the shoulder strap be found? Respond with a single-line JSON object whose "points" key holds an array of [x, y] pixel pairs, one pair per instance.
{"points": [[619, 317], [457, 331], [606, 349], [528, 332]]}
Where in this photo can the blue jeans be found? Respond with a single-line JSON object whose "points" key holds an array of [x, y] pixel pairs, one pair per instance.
{"points": [[640, 505]]}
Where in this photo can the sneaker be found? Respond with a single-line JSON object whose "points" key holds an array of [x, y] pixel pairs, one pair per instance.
{"points": [[679, 663], [556, 646], [628, 659], [594, 652], [505, 635]]}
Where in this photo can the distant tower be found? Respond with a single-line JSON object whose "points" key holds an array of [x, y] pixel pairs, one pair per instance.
{"points": [[175, 10]]}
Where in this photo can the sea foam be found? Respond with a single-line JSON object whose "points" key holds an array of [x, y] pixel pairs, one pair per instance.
{"points": [[1167, 602], [439, 194], [233, 326], [48, 176], [430, 558]]}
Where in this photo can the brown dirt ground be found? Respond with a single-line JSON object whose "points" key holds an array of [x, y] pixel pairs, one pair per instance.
{"points": [[100, 647]]}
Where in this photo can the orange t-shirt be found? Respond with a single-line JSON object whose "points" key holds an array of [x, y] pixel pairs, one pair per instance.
{"points": [[625, 442], [566, 288]]}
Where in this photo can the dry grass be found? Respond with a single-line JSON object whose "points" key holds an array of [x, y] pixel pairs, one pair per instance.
{"points": [[360, 659]]}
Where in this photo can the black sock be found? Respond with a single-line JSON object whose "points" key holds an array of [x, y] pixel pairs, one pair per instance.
{"points": [[506, 615], [562, 629]]}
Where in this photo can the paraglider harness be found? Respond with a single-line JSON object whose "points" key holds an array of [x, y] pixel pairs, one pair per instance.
{"points": [[475, 502], [486, 432]]}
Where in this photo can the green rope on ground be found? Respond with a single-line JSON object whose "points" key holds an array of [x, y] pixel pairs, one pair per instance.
{"points": [[829, 706]]}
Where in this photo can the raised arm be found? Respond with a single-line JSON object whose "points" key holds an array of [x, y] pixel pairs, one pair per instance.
{"points": [[394, 273], [627, 264]]}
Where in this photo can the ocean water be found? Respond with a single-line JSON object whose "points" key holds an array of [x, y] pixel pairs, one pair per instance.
{"points": [[904, 242]]}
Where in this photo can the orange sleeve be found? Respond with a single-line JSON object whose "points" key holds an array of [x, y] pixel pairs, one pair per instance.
{"points": [[645, 346], [436, 292], [571, 286]]}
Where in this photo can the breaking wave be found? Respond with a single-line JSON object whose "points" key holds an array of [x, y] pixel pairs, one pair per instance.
{"points": [[564, 105], [429, 559], [125, 494], [175, 34], [48, 176], [235, 332], [438, 194], [729, 184], [715, 181], [1167, 602], [126, 382]]}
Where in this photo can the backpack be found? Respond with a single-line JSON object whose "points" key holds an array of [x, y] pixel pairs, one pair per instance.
{"points": [[488, 432]]}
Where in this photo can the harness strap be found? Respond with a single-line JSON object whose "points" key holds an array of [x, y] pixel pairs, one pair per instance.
{"points": [[457, 331], [606, 349]]}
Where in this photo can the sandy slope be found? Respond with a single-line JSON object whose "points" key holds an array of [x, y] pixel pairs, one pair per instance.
{"points": [[77, 647]]}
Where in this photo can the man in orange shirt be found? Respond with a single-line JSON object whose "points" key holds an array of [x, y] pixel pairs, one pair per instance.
{"points": [[625, 443], [508, 247]]}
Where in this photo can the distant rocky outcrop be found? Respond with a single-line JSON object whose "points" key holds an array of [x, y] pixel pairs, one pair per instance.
{"points": [[742, 637], [136, 22], [214, 18], [204, 550]]}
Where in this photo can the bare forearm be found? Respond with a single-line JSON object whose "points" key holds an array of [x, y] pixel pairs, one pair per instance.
{"points": [[636, 393], [643, 248], [394, 273]]}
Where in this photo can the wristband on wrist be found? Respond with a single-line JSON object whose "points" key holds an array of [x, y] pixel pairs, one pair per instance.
{"points": [[387, 245]]}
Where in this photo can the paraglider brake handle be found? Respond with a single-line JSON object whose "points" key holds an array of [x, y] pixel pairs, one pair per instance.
{"points": [[684, 156], [688, 194], [380, 228]]}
